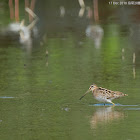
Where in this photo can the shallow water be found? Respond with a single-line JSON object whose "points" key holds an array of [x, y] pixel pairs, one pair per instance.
{"points": [[106, 104], [40, 85]]}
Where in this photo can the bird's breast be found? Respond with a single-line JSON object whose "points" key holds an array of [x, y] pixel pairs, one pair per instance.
{"points": [[101, 98]]}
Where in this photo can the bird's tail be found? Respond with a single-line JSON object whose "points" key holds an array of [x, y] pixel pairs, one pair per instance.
{"points": [[119, 94]]}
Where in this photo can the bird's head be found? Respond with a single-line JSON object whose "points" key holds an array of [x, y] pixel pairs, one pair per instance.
{"points": [[91, 88]]}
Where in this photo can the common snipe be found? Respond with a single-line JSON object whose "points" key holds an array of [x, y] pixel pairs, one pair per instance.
{"points": [[104, 95]]}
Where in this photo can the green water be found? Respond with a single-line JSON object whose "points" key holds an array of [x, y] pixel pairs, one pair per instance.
{"points": [[39, 94]]}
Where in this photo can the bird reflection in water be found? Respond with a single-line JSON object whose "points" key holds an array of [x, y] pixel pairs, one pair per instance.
{"points": [[25, 32], [94, 31], [18, 31], [105, 115]]}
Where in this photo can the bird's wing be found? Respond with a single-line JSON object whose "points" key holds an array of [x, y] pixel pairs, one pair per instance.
{"points": [[105, 92], [116, 94], [109, 94]]}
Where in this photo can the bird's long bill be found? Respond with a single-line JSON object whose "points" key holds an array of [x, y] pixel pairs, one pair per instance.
{"points": [[85, 94]]}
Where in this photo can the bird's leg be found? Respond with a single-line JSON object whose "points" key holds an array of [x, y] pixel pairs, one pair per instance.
{"points": [[113, 103], [109, 101]]}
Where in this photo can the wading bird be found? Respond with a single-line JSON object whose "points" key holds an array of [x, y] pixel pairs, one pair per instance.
{"points": [[104, 95]]}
